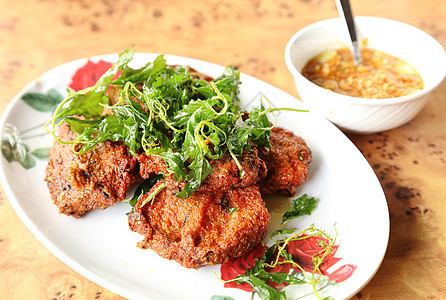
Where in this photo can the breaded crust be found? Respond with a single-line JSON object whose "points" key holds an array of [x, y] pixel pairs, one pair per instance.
{"points": [[227, 175], [96, 179], [287, 162], [204, 229]]}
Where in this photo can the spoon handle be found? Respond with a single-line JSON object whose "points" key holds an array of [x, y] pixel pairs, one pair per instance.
{"points": [[345, 11]]}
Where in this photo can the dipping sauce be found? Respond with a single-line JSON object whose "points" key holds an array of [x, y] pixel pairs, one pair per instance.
{"points": [[379, 76]]}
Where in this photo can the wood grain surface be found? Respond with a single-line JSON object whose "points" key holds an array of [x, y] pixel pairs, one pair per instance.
{"points": [[410, 161]]}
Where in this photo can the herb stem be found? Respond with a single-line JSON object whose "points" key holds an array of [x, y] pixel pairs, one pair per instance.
{"points": [[152, 196], [237, 162], [313, 284], [223, 98]]}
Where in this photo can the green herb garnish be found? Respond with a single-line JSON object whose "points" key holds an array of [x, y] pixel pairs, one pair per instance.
{"points": [[299, 207], [167, 111], [277, 267], [232, 209]]}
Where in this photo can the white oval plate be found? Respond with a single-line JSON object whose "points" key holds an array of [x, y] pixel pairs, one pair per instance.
{"points": [[102, 248]]}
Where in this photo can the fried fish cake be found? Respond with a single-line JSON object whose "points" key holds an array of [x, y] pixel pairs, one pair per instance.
{"points": [[207, 228], [94, 180], [287, 162]]}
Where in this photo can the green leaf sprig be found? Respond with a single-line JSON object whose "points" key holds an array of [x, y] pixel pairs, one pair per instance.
{"points": [[301, 206]]}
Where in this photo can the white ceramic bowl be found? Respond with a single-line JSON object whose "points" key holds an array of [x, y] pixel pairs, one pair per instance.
{"points": [[360, 115]]}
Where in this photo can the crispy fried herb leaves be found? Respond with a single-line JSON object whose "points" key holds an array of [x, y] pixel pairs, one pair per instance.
{"points": [[303, 205], [164, 110]]}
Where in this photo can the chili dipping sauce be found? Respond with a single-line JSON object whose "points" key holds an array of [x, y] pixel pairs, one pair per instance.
{"points": [[379, 76]]}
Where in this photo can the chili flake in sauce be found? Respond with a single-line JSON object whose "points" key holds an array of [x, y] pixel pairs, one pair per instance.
{"points": [[379, 76]]}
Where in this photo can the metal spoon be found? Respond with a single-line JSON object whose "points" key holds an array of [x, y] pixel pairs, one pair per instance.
{"points": [[346, 12]]}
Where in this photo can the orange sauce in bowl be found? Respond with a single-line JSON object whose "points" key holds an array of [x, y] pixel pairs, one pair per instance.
{"points": [[379, 76]]}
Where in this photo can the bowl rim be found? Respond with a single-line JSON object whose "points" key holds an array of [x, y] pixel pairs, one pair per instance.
{"points": [[358, 100]]}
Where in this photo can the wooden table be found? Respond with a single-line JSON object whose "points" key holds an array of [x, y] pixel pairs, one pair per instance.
{"points": [[410, 161]]}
